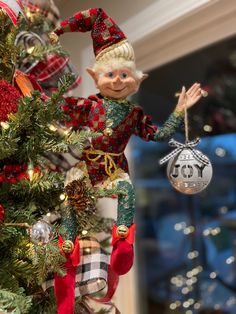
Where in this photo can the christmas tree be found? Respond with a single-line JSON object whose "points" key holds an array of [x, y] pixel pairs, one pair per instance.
{"points": [[37, 206]]}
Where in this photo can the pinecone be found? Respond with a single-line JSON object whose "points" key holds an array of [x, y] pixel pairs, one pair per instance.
{"points": [[78, 195]]}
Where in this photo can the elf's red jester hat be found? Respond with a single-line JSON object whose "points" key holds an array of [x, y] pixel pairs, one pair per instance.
{"points": [[109, 42]]}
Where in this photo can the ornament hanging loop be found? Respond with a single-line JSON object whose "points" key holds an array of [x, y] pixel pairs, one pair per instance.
{"points": [[186, 125], [186, 120], [179, 147]]}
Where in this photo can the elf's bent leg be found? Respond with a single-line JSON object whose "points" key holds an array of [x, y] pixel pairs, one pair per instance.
{"points": [[64, 286], [122, 255]]}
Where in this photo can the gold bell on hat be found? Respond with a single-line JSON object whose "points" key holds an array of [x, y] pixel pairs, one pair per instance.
{"points": [[54, 39], [122, 231], [67, 246]]}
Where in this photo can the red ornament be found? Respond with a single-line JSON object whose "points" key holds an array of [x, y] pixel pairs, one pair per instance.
{"points": [[2, 178], [9, 96], [22, 176], [11, 180], [2, 213], [8, 168], [36, 169], [17, 168]]}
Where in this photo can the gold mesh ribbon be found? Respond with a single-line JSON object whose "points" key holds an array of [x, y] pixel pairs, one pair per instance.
{"points": [[111, 168]]}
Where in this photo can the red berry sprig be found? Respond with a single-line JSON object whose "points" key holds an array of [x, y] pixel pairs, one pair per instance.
{"points": [[14, 173]]}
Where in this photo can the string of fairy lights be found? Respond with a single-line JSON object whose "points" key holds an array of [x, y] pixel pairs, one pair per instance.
{"points": [[186, 283]]}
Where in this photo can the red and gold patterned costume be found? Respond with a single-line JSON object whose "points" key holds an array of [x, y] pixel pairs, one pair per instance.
{"points": [[110, 145]]}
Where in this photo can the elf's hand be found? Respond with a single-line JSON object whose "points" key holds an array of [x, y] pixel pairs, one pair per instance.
{"points": [[190, 97]]}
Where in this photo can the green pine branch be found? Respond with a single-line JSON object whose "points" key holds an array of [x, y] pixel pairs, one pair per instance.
{"points": [[47, 259], [14, 303], [26, 140], [27, 137]]}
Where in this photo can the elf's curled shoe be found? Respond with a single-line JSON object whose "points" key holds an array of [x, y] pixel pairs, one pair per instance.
{"points": [[122, 256]]}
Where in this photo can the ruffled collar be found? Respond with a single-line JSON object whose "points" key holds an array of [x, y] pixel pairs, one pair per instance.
{"points": [[122, 101]]}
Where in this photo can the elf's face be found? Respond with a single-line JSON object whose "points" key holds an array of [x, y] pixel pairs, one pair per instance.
{"points": [[117, 83]]}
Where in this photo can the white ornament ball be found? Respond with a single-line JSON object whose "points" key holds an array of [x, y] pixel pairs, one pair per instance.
{"points": [[187, 174], [41, 233]]}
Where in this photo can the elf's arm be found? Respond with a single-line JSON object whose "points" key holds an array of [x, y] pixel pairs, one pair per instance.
{"points": [[78, 111], [149, 132]]}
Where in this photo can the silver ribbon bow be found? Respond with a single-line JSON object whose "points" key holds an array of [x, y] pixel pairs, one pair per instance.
{"points": [[180, 146]]}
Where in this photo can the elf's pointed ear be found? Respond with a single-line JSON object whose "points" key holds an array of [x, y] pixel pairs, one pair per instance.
{"points": [[144, 77], [92, 73]]}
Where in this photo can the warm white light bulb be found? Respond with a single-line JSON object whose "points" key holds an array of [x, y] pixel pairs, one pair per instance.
{"points": [[62, 196], [30, 50], [4, 125], [52, 127]]}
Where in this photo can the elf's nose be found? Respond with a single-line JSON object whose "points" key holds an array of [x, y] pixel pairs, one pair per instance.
{"points": [[117, 80]]}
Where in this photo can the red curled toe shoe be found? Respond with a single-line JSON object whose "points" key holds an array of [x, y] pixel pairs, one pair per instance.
{"points": [[122, 256]]}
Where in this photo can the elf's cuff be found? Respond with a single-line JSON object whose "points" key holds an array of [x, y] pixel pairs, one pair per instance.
{"points": [[123, 232], [70, 250]]}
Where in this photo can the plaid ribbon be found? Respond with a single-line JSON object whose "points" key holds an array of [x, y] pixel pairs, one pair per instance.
{"points": [[13, 8], [44, 70], [51, 83], [91, 273], [44, 7], [180, 146]]}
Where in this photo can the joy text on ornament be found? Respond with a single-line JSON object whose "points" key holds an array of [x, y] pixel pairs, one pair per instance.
{"points": [[188, 171]]}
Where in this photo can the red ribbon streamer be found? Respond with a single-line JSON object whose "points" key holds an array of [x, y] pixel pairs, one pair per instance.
{"points": [[112, 283], [64, 286]]}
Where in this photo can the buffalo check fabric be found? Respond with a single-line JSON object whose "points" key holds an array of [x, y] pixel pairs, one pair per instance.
{"points": [[91, 273]]}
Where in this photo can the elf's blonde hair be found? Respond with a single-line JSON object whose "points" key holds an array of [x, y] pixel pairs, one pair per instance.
{"points": [[100, 68]]}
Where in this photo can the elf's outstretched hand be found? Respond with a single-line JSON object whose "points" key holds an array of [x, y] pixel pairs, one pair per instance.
{"points": [[190, 97]]}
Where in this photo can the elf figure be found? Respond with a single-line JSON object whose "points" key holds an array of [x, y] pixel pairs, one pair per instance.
{"points": [[116, 118]]}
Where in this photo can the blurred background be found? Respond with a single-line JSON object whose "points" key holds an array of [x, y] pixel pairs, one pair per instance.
{"points": [[185, 245]]}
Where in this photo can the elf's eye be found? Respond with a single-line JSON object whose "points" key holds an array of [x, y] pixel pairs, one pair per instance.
{"points": [[110, 74], [124, 75]]}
